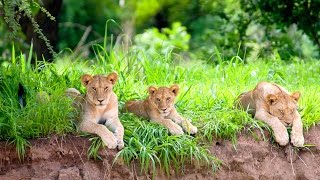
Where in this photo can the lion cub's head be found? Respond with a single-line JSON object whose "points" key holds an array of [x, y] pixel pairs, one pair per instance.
{"points": [[99, 88], [284, 106], [163, 98]]}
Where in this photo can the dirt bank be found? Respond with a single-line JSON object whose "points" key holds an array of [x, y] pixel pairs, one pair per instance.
{"points": [[262, 160], [65, 158]]}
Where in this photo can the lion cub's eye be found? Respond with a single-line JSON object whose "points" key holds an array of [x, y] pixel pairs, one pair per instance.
{"points": [[168, 98], [158, 99], [281, 110], [106, 89], [94, 88]]}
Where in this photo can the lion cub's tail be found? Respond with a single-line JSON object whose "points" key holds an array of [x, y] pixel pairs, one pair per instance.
{"points": [[129, 106], [76, 96], [72, 92], [135, 107]]}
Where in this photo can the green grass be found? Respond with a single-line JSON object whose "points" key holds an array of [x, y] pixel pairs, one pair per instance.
{"points": [[206, 97], [152, 146], [42, 115]]}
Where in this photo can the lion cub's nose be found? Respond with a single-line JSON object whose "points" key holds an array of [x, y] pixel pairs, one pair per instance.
{"points": [[287, 123], [100, 100], [164, 109]]}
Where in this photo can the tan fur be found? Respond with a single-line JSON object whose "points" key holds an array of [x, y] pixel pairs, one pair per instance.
{"points": [[274, 105], [99, 109], [159, 108]]}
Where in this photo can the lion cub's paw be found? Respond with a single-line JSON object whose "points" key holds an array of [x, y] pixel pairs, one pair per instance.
{"points": [[189, 128], [297, 140], [110, 142], [282, 137], [120, 144], [176, 130], [193, 130]]}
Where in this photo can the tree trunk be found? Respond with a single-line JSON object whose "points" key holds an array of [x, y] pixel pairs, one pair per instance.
{"points": [[49, 29]]}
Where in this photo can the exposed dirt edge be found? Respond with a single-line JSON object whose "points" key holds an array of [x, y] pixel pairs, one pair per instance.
{"points": [[66, 158], [254, 159]]}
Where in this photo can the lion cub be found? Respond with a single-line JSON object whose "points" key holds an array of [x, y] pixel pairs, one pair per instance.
{"points": [[275, 106], [159, 107], [99, 109]]}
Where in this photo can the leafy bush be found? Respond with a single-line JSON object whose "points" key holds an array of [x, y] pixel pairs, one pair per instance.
{"points": [[171, 39], [305, 14], [214, 32], [264, 42], [77, 16]]}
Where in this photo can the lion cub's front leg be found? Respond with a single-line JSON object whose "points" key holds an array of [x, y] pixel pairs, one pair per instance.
{"points": [[173, 128], [297, 138], [107, 137], [118, 131], [186, 124], [279, 130]]}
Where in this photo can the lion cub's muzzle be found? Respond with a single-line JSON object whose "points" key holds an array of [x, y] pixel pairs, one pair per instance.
{"points": [[100, 102], [285, 123], [164, 111]]}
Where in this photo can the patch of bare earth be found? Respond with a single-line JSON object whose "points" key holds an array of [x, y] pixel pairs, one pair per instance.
{"points": [[263, 160], [65, 158]]}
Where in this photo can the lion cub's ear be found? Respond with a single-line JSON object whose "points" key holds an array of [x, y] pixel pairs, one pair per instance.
{"points": [[112, 78], [152, 90], [271, 99], [296, 96], [174, 89], [86, 79]]}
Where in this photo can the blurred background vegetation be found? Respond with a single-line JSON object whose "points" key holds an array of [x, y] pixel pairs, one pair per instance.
{"points": [[195, 29]]}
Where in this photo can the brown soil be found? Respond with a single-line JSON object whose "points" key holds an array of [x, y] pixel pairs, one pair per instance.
{"points": [[65, 158]]}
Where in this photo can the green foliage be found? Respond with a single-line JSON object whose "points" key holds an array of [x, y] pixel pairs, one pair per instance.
{"points": [[152, 41], [142, 10], [96, 144], [46, 110], [153, 147], [215, 32], [14, 10], [291, 42], [245, 28], [305, 14], [77, 16], [9, 11]]}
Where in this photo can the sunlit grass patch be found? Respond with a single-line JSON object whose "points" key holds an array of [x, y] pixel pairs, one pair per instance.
{"points": [[44, 110], [153, 147]]}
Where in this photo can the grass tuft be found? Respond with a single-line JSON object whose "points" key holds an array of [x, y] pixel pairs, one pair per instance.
{"points": [[153, 147]]}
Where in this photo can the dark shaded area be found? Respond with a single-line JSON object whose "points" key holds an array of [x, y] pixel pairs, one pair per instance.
{"points": [[21, 96], [284, 13], [102, 121], [161, 19], [49, 29]]}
